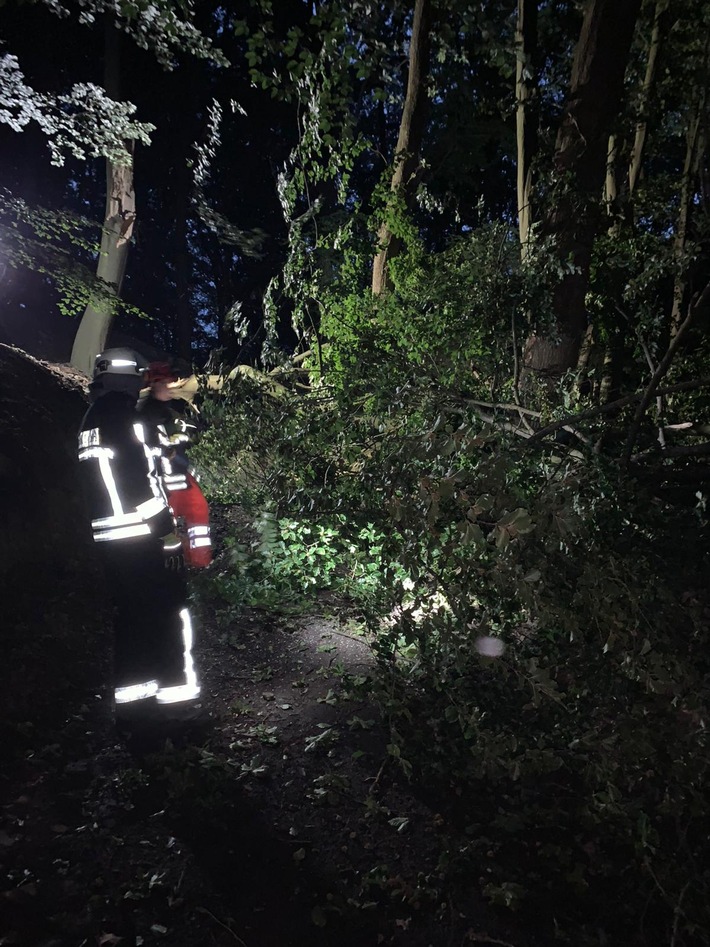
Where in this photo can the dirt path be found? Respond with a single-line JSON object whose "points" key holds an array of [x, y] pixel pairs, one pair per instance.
{"points": [[279, 823]]}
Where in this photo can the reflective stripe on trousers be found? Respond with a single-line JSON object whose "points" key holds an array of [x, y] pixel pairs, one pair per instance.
{"points": [[127, 695], [190, 690]]}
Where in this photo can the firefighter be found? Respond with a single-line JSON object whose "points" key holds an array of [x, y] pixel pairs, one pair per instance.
{"points": [[134, 531], [177, 420]]}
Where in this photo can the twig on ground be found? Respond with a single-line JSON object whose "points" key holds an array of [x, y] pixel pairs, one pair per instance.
{"points": [[677, 911], [221, 924], [474, 938]]}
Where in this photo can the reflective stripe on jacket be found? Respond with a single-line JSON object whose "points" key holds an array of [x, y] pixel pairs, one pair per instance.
{"points": [[121, 469]]}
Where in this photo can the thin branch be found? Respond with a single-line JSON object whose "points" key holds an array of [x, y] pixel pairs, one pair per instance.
{"points": [[221, 924], [678, 450], [661, 370], [611, 406], [501, 406], [516, 374], [659, 398]]}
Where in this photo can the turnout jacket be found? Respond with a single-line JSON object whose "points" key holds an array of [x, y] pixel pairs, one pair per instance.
{"points": [[120, 464], [178, 427], [177, 431]]}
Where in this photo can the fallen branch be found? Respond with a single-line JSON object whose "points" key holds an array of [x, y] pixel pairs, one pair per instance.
{"points": [[679, 450], [663, 366], [612, 406]]}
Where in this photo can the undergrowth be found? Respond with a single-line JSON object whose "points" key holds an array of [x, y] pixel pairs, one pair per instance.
{"points": [[569, 762], [572, 768]]}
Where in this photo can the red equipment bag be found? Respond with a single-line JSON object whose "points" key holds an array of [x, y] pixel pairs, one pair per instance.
{"points": [[192, 514]]}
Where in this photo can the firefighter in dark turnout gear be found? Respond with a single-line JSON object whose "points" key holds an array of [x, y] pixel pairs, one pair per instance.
{"points": [[134, 532]]}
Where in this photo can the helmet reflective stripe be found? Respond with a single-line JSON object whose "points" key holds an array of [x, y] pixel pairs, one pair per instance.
{"points": [[126, 695], [124, 532], [190, 689], [119, 361]]}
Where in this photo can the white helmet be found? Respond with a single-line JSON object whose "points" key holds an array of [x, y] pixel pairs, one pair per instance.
{"points": [[120, 361]]}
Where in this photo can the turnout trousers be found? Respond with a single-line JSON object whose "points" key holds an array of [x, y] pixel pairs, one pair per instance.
{"points": [[152, 627]]}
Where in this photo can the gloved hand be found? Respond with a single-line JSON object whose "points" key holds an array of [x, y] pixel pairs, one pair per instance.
{"points": [[172, 550]]}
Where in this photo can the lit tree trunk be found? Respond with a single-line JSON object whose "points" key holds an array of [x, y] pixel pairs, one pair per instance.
{"points": [[581, 155], [119, 220], [642, 125], [526, 123], [694, 153], [411, 133], [694, 150], [611, 187]]}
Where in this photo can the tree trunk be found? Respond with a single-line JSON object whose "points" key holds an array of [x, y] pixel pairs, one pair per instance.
{"points": [[694, 151], [409, 141], [611, 187], [642, 125], [580, 156], [526, 123], [119, 220]]}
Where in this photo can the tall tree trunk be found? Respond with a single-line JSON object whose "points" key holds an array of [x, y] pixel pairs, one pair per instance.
{"points": [[636, 160], [119, 220], [409, 141], [580, 155], [696, 143], [611, 186], [525, 121], [695, 148]]}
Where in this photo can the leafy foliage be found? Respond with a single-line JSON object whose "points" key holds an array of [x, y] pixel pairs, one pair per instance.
{"points": [[162, 27], [47, 241], [570, 766]]}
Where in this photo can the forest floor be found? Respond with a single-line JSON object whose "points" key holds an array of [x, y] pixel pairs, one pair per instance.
{"points": [[278, 822]]}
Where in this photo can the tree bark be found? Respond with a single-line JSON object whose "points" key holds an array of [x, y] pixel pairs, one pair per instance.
{"points": [[409, 141], [611, 187], [525, 121], [636, 160], [580, 159], [119, 221], [695, 149]]}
